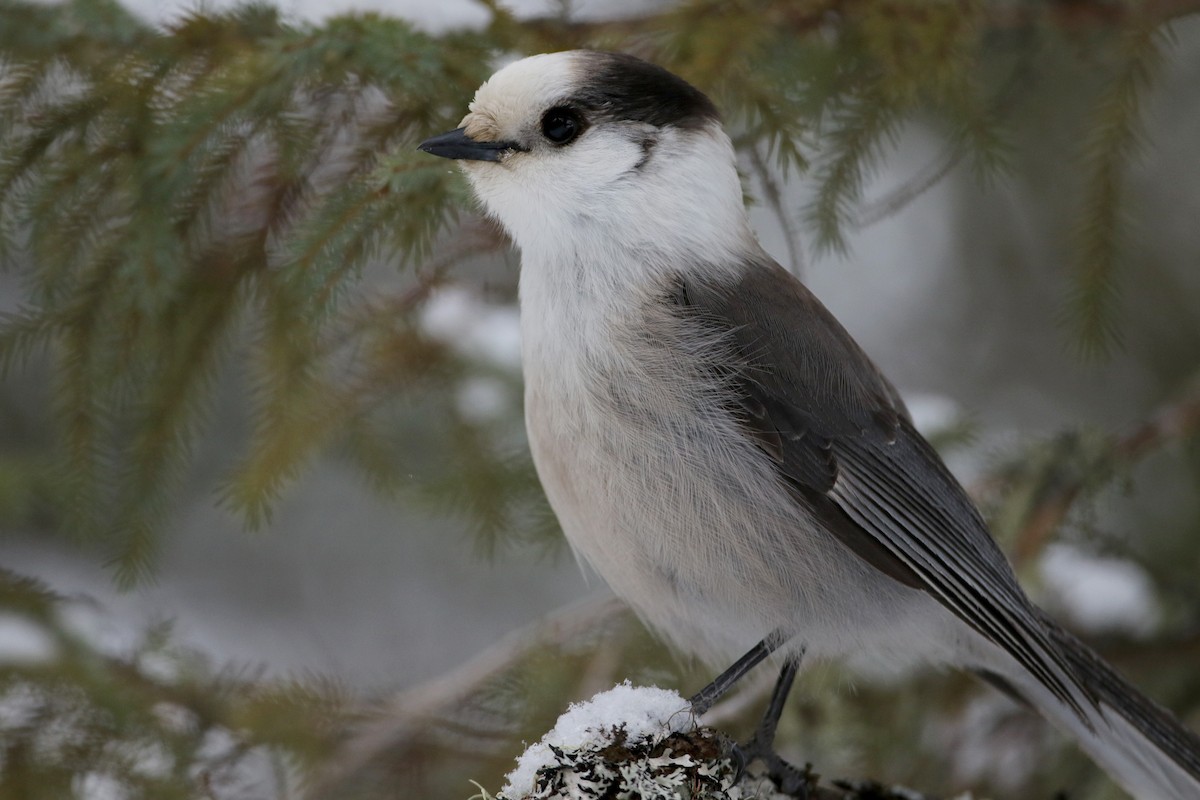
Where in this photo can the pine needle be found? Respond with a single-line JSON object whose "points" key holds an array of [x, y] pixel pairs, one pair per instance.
{"points": [[1113, 140]]}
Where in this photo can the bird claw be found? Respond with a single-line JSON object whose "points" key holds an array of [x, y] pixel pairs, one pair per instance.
{"points": [[788, 779], [739, 760]]}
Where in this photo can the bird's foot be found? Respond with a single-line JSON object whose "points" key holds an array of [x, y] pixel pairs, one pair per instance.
{"points": [[788, 779]]}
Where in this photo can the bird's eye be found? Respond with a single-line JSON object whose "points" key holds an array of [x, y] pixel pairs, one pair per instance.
{"points": [[562, 125]]}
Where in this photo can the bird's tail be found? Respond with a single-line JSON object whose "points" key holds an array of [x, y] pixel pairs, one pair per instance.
{"points": [[1141, 745]]}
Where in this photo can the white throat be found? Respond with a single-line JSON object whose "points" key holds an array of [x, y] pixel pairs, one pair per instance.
{"points": [[606, 226]]}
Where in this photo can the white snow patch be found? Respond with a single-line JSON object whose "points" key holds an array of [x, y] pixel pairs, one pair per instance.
{"points": [[159, 666], [482, 399], [642, 711], [932, 413], [936, 414], [19, 705], [150, 760], [175, 718], [472, 328], [24, 642], [99, 786], [1100, 594], [99, 628], [989, 742]]}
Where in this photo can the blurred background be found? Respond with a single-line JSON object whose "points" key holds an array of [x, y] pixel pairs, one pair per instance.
{"points": [[268, 524]]}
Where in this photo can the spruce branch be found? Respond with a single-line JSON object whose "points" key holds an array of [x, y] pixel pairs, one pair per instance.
{"points": [[1112, 141], [156, 721], [864, 126], [801, 18], [230, 167], [880, 208], [1175, 421], [403, 719], [84, 33], [166, 422]]}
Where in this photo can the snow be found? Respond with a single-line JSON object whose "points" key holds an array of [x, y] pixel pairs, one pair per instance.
{"points": [[489, 335], [101, 629], [23, 642], [476, 330], [99, 786], [482, 399], [643, 712], [987, 743], [932, 413], [1100, 594]]}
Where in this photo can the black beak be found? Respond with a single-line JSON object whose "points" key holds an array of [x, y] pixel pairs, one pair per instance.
{"points": [[456, 144]]}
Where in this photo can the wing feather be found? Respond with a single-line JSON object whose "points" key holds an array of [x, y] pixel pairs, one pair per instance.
{"points": [[841, 440]]}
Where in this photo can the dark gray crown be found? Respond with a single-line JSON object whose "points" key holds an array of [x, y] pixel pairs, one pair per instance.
{"points": [[623, 87]]}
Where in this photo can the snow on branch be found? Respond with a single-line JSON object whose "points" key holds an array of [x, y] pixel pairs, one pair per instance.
{"points": [[644, 742]]}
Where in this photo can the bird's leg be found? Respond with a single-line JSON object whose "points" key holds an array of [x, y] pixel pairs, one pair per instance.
{"points": [[790, 780], [703, 700]]}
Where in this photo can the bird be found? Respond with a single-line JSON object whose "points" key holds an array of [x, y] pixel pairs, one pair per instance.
{"points": [[718, 447]]}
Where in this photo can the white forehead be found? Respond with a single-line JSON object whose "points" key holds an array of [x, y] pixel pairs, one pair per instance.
{"points": [[529, 84]]}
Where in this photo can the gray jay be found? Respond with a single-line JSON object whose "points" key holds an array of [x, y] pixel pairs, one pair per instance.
{"points": [[720, 449]]}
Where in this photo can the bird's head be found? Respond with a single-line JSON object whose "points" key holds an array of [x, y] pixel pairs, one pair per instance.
{"points": [[603, 142]]}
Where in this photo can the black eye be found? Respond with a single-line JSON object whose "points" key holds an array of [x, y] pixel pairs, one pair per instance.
{"points": [[562, 125]]}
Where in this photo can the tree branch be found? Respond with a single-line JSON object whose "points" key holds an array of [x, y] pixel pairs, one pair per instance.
{"points": [[408, 714], [803, 18], [1173, 421]]}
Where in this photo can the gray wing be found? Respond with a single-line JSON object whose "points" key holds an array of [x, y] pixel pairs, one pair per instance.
{"points": [[843, 443]]}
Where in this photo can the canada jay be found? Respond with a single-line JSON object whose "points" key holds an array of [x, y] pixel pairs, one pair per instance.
{"points": [[717, 446]]}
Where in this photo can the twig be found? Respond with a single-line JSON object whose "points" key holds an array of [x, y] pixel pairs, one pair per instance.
{"points": [[891, 203], [774, 198], [1171, 422], [474, 238], [407, 714]]}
